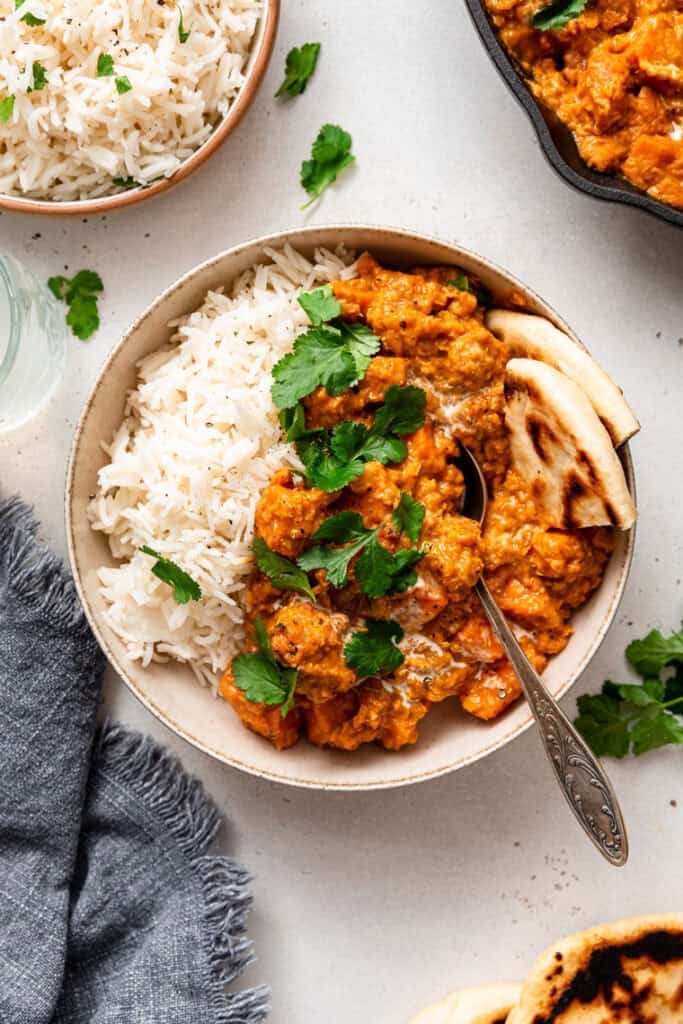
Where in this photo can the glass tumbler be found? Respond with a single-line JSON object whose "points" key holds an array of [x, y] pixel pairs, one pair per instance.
{"points": [[33, 335]]}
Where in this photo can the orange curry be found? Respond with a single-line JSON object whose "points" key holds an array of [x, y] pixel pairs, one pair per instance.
{"points": [[614, 75], [433, 336]]}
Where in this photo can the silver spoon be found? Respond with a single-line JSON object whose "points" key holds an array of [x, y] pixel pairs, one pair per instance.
{"points": [[585, 785]]}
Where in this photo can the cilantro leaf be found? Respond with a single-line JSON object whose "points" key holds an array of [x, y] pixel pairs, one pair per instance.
{"points": [[331, 356], [380, 573], [299, 66], [184, 587], [124, 182], [330, 154], [29, 19], [261, 678], [659, 730], [343, 527], [123, 84], [403, 411], [374, 650], [80, 294], [320, 305], [654, 652], [105, 66], [183, 36], [39, 77], [463, 284], [604, 725], [293, 421], [557, 14], [283, 573], [408, 516], [324, 469], [6, 108]]}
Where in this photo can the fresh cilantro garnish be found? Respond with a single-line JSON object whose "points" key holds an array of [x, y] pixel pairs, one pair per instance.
{"points": [[123, 84], [378, 571], [6, 108], [80, 294], [650, 655], [408, 517], [124, 182], [29, 19], [105, 66], [334, 355], [283, 574], [638, 717], [39, 77], [333, 459], [330, 154], [463, 284], [299, 67], [293, 421], [183, 36], [320, 305], [374, 650], [261, 678], [557, 14], [184, 587]]}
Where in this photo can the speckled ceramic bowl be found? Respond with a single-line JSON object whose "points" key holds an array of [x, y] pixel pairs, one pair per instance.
{"points": [[449, 738], [259, 57], [556, 139]]}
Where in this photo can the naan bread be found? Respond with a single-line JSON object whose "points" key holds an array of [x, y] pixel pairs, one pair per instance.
{"points": [[536, 338], [488, 1004], [629, 972], [560, 447]]}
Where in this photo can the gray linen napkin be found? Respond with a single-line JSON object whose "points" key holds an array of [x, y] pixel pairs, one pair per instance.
{"points": [[110, 909]]}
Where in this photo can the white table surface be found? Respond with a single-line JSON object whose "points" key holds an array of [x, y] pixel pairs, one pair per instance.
{"points": [[369, 906]]}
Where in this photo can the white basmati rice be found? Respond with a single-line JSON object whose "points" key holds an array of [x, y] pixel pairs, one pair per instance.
{"points": [[199, 442], [70, 139]]}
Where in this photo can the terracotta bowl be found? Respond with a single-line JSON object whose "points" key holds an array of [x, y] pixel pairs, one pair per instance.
{"points": [[262, 48], [449, 738]]}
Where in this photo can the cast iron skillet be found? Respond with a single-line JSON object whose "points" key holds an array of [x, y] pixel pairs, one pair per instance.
{"points": [[557, 140]]}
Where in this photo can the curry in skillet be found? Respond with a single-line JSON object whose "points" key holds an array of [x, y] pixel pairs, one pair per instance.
{"points": [[613, 74], [362, 610]]}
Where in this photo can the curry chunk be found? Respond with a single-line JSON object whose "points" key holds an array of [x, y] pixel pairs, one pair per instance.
{"points": [[453, 553], [264, 719], [288, 513], [323, 410], [310, 639]]}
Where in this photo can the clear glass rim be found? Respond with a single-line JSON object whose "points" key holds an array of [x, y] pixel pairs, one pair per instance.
{"points": [[8, 358]]}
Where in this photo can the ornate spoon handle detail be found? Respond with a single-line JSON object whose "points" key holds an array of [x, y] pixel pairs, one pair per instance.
{"points": [[585, 785]]}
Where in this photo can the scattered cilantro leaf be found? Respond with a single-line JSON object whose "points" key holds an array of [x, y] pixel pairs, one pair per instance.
{"points": [[332, 459], [293, 421], [463, 284], [183, 36], [330, 154], [638, 717], [123, 84], [299, 66], [184, 587], [105, 66], [557, 14], [283, 573], [29, 19], [654, 652], [124, 182], [39, 77], [6, 108], [378, 571], [261, 678], [331, 355], [80, 294], [374, 650], [320, 305], [408, 517]]}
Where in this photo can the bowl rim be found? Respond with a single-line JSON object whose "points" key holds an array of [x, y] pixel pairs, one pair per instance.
{"points": [[260, 57], [598, 186], [273, 241]]}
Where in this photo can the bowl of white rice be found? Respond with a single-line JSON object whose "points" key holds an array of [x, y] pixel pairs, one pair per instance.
{"points": [[172, 451], [106, 104]]}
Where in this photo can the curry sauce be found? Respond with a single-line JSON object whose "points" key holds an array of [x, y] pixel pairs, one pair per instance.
{"points": [[614, 75], [432, 336]]}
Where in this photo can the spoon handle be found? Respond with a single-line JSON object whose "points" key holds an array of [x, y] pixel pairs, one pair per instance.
{"points": [[581, 777]]}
